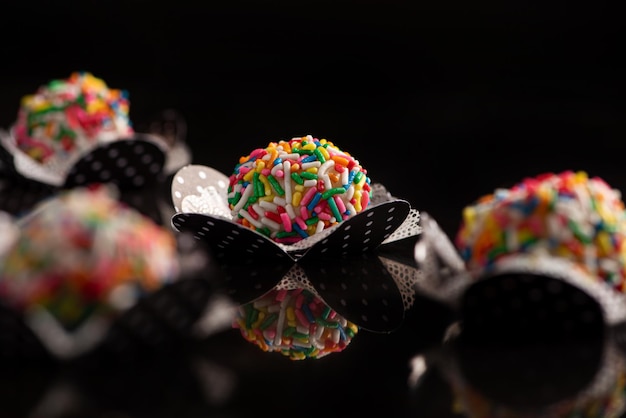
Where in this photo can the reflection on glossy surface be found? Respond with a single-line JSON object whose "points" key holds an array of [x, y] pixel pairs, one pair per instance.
{"points": [[296, 323], [568, 376]]}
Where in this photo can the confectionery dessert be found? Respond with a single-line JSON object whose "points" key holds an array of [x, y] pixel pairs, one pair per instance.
{"points": [[77, 131], [293, 189], [68, 116], [80, 259], [569, 216], [294, 322]]}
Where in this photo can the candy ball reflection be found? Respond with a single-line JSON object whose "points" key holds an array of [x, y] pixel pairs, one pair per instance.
{"points": [[296, 323]]}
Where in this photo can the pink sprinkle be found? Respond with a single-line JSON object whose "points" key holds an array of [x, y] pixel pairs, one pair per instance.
{"points": [[339, 168], [280, 295], [299, 301], [266, 172], [324, 216], [304, 213], [259, 152], [288, 240], [301, 223], [279, 173], [243, 169], [308, 196], [340, 204], [302, 318], [286, 221]]}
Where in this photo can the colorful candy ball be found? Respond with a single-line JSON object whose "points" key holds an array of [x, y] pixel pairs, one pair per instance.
{"points": [[296, 323], [83, 253], [293, 189], [567, 215], [68, 116]]}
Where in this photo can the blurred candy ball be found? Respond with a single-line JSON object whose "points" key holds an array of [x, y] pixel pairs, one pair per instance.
{"points": [[68, 116], [293, 189], [83, 255], [568, 215]]}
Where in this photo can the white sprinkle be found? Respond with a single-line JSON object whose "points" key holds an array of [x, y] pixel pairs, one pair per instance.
{"points": [[268, 205], [243, 199]]}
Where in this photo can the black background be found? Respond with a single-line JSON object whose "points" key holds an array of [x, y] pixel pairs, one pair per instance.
{"points": [[442, 102]]}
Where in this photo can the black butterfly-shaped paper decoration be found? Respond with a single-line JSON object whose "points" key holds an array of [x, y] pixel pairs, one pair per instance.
{"points": [[341, 263]]}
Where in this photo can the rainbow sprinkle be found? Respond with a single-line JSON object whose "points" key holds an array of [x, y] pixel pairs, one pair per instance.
{"points": [[68, 116], [293, 189], [78, 248], [566, 215], [296, 323]]}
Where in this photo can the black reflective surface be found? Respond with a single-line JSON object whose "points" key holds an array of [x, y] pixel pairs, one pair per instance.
{"points": [[441, 103]]}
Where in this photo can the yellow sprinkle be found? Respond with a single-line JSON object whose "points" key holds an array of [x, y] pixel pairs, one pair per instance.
{"points": [[291, 315], [357, 201], [604, 243], [296, 198], [260, 165], [248, 176], [259, 320], [324, 152], [310, 146]]}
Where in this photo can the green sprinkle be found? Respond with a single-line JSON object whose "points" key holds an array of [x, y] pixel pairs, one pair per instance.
{"points": [[327, 324], [334, 209], [300, 336], [276, 185], [259, 189], [268, 321], [309, 176], [319, 155], [297, 178], [251, 315], [357, 177], [578, 233], [289, 331], [312, 221], [331, 192], [233, 200], [326, 312], [285, 234], [265, 231]]}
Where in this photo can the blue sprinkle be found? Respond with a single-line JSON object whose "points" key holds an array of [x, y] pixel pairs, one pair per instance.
{"points": [[342, 333], [307, 311], [309, 159], [299, 230], [314, 201]]}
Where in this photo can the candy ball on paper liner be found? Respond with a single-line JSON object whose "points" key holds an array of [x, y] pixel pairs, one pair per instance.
{"points": [[555, 238], [76, 131], [81, 258], [568, 215], [293, 189], [67, 116]]}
